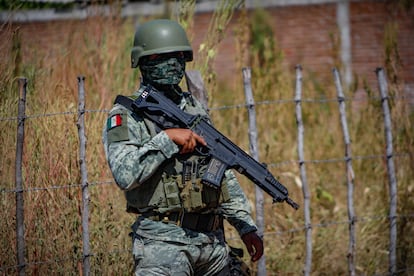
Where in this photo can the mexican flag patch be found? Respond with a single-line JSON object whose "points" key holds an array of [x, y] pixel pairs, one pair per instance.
{"points": [[114, 121], [117, 128]]}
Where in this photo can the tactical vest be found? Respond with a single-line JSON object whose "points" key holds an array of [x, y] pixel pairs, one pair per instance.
{"points": [[176, 185]]}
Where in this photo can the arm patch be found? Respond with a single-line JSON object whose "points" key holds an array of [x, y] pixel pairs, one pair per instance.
{"points": [[117, 128]]}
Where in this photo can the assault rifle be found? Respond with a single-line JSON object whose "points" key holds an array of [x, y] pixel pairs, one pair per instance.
{"points": [[223, 152]]}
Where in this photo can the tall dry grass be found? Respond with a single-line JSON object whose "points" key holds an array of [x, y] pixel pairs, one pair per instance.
{"points": [[99, 49]]}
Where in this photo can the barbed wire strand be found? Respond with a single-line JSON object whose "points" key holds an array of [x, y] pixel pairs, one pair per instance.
{"points": [[225, 107], [270, 165]]}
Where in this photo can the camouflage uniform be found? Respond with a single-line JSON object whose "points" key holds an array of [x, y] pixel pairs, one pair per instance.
{"points": [[179, 228], [136, 157]]}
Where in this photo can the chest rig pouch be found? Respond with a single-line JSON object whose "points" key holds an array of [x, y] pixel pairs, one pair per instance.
{"points": [[193, 194], [179, 186]]}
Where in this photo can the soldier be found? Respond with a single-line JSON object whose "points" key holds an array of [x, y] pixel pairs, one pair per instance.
{"points": [[179, 228]]}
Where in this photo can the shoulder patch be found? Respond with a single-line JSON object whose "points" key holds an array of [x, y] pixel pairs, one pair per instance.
{"points": [[117, 127], [114, 121]]}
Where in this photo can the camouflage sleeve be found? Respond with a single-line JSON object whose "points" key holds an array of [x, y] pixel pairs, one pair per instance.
{"points": [[133, 155], [237, 210]]}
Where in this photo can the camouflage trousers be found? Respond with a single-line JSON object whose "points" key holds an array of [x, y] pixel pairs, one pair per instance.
{"points": [[169, 257]]}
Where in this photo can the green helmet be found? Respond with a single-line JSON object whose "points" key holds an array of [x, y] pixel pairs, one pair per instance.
{"points": [[157, 37]]}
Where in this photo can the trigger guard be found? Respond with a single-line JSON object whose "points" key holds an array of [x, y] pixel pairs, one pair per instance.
{"points": [[203, 151]]}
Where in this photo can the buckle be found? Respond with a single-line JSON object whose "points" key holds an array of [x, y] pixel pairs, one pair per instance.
{"points": [[175, 218]]}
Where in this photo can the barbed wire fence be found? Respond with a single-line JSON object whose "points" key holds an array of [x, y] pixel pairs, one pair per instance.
{"points": [[352, 220]]}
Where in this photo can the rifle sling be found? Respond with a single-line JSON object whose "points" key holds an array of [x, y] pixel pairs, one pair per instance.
{"points": [[127, 103]]}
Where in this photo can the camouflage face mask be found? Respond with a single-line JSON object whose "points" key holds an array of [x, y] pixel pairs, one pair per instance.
{"points": [[163, 70]]}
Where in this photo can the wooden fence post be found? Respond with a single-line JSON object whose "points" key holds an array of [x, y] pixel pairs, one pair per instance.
{"points": [[20, 243], [195, 85], [261, 266], [343, 23], [349, 173], [84, 175], [306, 195], [383, 87]]}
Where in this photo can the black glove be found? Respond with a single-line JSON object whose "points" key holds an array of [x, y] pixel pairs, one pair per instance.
{"points": [[254, 245]]}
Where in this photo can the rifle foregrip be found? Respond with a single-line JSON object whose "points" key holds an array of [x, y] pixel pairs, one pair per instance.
{"points": [[282, 189]]}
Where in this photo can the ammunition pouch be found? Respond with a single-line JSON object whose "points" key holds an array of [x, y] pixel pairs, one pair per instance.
{"points": [[194, 195], [177, 189]]}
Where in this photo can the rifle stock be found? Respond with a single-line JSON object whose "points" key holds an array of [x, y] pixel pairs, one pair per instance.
{"points": [[224, 153]]}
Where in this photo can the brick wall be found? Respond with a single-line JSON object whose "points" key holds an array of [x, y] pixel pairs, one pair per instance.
{"points": [[302, 33]]}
